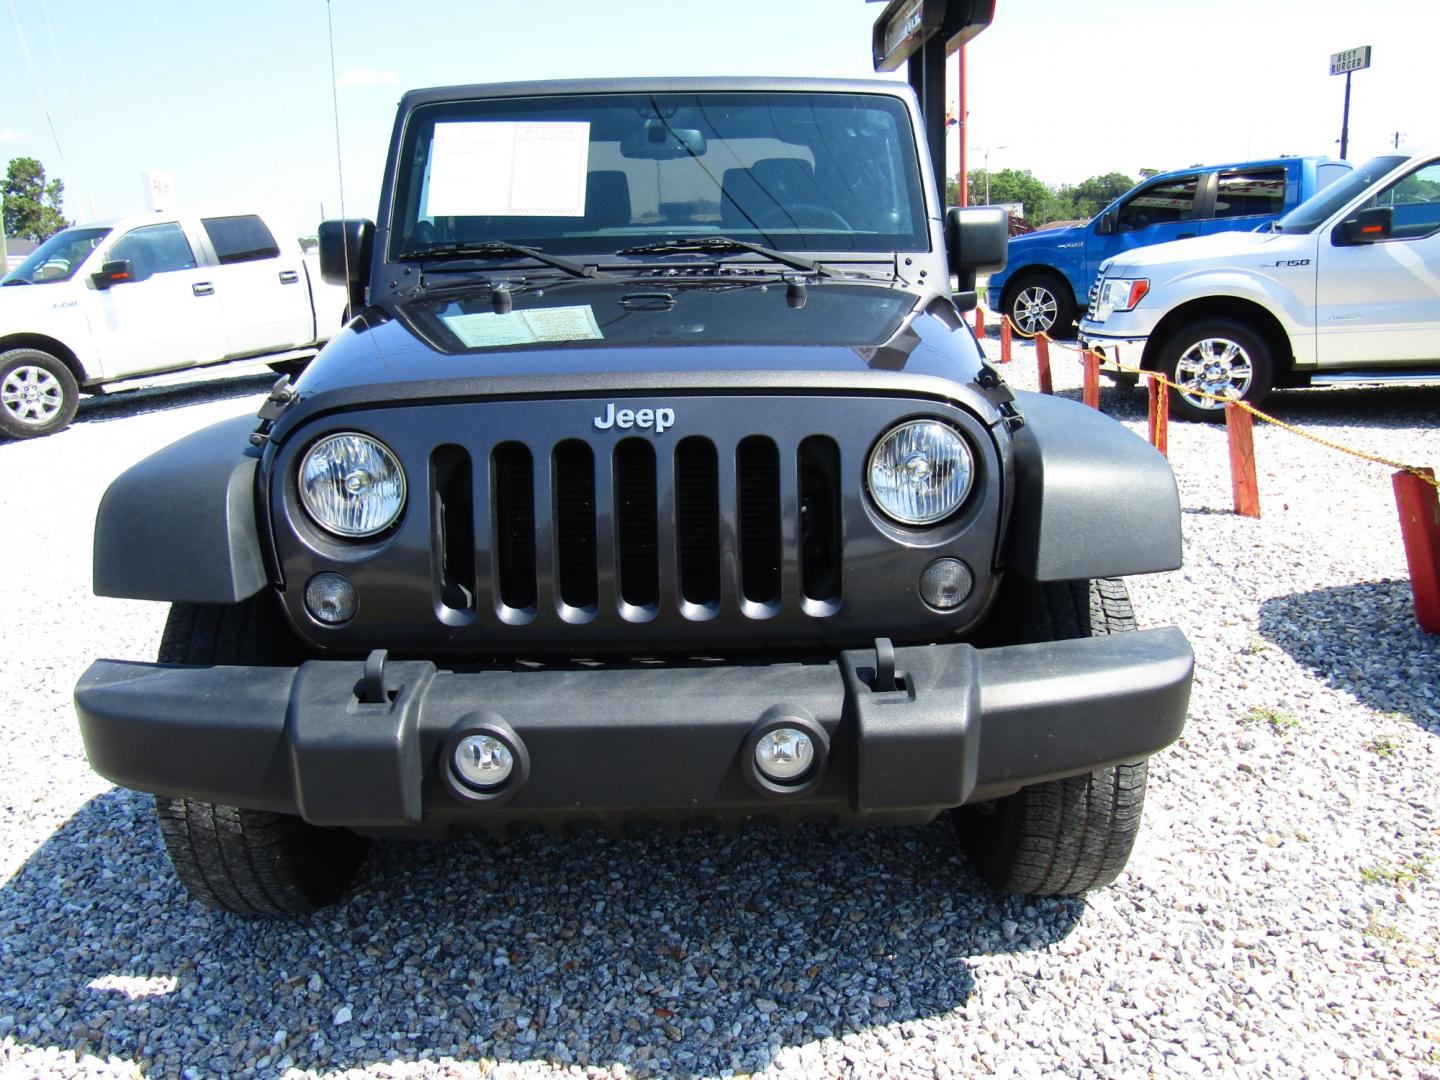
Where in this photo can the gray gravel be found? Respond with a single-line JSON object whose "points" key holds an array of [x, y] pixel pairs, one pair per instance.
{"points": [[1279, 916]]}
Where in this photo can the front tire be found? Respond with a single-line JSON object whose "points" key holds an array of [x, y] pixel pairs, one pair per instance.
{"points": [[1062, 837], [1220, 358], [38, 394], [248, 862], [1041, 303]]}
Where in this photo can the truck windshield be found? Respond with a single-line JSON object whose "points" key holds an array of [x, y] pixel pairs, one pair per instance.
{"points": [[56, 259], [1316, 210], [592, 174]]}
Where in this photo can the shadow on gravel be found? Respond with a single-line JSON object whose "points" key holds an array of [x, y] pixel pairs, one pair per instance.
{"points": [[119, 404], [673, 957], [1364, 640]]}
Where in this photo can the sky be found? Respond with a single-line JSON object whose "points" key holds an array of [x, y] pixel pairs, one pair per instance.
{"points": [[236, 101]]}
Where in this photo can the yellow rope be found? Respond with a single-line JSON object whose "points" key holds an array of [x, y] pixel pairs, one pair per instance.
{"points": [[1364, 455]]}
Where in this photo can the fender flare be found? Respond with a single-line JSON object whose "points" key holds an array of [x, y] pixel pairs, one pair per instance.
{"points": [[181, 524], [1092, 499]]}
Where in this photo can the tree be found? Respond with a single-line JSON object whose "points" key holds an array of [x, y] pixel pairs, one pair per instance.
{"points": [[1093, 195], [32, 207], [1012, 186]]}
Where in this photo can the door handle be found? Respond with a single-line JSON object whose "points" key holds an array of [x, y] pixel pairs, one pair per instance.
{"points": [[1185, 236], [288, 277], [203, 288]]}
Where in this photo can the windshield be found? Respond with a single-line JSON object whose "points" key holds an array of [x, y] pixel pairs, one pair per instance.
{"points": [[58, 258], [1316, 210], [594, 174]]}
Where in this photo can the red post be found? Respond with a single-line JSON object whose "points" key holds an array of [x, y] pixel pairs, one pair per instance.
{"points": [[1159, 414], [1004, 339], [979, 321], [1419, 506], [1091, 389], [1243, 485], [1042, 355]]}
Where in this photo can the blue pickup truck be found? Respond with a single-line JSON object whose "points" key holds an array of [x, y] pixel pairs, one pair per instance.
{"points": [[1049, 272]]}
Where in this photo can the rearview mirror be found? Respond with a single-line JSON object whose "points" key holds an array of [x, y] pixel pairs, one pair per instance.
{"points": [[976, 238], [1365, 226], [657, 141], [345, 248], [113, 273], [1109, 221]]}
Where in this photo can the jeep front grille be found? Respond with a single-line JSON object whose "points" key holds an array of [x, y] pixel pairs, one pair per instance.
{"points": [[651, 519]]}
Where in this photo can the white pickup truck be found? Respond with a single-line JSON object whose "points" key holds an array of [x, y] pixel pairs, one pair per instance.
{"points": [[158, 292], [1344, 288]]}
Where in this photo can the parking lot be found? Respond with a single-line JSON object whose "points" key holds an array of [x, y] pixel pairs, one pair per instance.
{"points": [[1280, 912]]}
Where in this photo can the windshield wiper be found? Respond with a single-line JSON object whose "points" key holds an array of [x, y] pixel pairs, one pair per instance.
{"points": [[496, 249], [719, 244]]}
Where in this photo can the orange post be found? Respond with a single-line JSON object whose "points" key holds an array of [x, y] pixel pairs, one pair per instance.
{"points": [[1159, 414], [1419, 505], [1091, 390], [1004, 339], [979, 321], [1243, 485], [1042, 356]]}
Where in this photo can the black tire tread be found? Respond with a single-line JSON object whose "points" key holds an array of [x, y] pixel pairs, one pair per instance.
{"points": [[1062, 837], [249, 862]]}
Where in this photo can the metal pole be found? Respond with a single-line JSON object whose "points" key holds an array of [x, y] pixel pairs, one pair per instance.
{"points": [[964, 135], [1345, 122], [987, 176]]}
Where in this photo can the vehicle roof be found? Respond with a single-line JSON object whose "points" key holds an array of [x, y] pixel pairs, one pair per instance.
{"points": [[1250, 164], [143, 216], [549, 87]]}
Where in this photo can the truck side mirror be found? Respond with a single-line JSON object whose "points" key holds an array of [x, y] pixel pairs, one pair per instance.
{"points": [[976, 238], [113, 273], [1365, 226], [1108, 222], [345, 248]]}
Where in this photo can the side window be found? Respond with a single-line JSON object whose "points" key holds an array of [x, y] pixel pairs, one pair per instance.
{"points": [[154, 249], [1169, 200], [240, 239], [1414, 201], [1248, 192]]}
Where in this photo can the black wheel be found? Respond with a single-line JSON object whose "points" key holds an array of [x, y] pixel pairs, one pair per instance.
{"points": [[250, 862], [1218, 357], [1041, 301], [1062, 837], [38, 394]]}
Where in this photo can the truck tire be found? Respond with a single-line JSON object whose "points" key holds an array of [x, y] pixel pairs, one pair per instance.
{"points": [[1041, 301], [38, 394], [1062, 837], [1215, 356], [249, 862]]}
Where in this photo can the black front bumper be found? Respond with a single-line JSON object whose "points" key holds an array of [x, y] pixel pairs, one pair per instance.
{"points": [[617, 745]]}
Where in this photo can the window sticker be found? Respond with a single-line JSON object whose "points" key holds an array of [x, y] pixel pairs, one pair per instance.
{"points": [[489, 329], [508, 168]]}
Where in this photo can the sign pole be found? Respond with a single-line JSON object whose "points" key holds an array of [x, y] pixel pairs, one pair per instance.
{"points": [[1345, 122]]}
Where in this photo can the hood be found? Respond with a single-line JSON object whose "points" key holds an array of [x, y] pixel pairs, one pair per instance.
{"points": [[1216, 249], [571, 335]]}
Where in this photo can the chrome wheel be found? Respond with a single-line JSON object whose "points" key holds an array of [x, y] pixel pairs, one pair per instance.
{"points": [[1213, 366], [31, 395], [1035, 310]]}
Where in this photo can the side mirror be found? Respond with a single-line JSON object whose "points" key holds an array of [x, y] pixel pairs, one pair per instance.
{"points": [[345, 249], [976, 238], [1364, 226], [1108, 222], [113, 273]]}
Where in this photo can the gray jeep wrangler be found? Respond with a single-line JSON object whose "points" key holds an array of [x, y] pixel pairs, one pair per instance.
{"points": [[655, 480]]}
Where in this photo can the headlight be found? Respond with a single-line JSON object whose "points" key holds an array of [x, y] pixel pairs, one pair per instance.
{"points": [[920, 472], [1119, 294], [352, 485]]}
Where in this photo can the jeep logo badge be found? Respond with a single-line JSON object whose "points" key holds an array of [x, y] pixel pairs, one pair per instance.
{"points": [[656, 419]]}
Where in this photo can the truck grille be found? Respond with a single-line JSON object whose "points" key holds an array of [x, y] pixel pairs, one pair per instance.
{"points": [[649, 521]]}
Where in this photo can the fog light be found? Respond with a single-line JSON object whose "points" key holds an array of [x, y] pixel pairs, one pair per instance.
{"points": [[946, 583], [483, 761], [331, 599], [785, 754]]}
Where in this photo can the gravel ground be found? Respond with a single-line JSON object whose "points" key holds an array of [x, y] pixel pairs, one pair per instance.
{"points": [[1279, 915]]}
